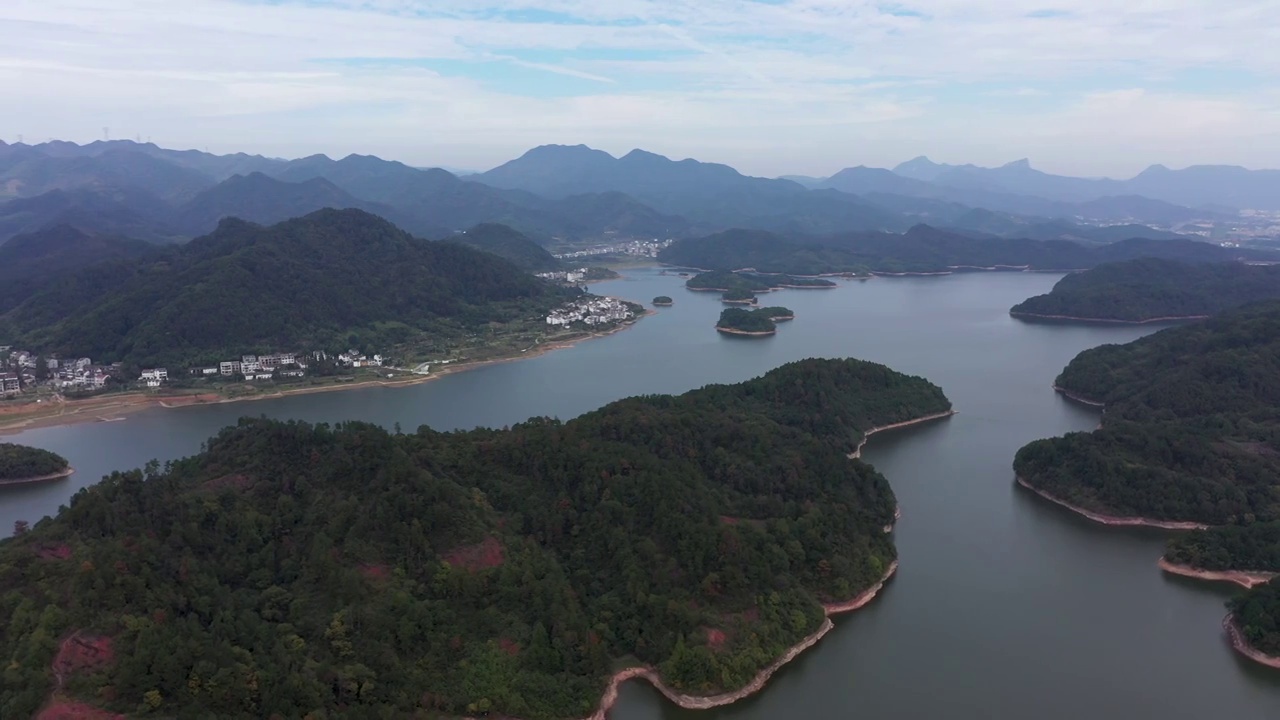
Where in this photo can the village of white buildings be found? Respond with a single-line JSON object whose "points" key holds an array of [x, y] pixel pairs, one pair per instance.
{"points": [[21, 370], [592, 311]]}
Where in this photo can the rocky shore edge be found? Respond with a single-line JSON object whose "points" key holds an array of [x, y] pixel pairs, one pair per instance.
{"points": [[1114, 519], [857, 452], [1242, 645], [746, 333], [705, 702], [1247, 579], [1078, 398], [39, 479]]}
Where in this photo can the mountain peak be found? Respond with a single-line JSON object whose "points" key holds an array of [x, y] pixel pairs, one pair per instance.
{"points": [[1023, 164], [921, 168]]}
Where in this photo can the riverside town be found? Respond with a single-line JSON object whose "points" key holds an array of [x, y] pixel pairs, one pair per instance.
{"points": [[23, 370]]}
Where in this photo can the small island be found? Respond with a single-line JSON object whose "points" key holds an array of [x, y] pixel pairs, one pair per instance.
{"points": [[724, 281], [663, 301], [20, 464], [752, 323], [739, 296], [1151, 290], [719, 281]]}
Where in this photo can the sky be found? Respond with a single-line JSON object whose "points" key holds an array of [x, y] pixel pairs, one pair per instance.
{"points": [[772, 87]]}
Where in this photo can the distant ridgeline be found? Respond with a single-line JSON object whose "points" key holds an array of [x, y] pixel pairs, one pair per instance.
{"points": [[1151, 288], [292, 569], [922, 250], [19, 462], [1210, 390], [328, 280]]}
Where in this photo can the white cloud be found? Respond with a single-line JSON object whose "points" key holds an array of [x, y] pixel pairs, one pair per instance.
{"points": [[804, 86]]}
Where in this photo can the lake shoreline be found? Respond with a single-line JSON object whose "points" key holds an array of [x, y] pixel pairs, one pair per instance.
{"points": [[1247, 579], [68, 472], [1242, 645], [125, 404], [1114, 520], [706, 702], [1078, 398], [1106, 321], [746, 333], [857, 452]]}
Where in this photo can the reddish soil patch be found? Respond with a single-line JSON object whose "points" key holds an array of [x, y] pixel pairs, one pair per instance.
{"points": [[481, 556], [374, 571], [75, 711], [81, 652], [509, 646], [232, 482], [729, 520], [56, 551], [716, 638]]}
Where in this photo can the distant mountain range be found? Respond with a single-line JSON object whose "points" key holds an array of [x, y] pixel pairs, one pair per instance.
{"points": [[573, 194], [333, 278]]}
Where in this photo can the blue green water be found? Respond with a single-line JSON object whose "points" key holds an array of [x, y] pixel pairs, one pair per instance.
{"points": [[1005, 607]]}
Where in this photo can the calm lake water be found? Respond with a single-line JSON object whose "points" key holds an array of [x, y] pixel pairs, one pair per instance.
{"points": [[1005, 607]]}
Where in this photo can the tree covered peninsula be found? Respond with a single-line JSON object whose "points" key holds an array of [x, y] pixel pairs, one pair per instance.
{"points": [[1190, 438], [292, 569], [19, 463], [1191, 432], [1153, 289]]}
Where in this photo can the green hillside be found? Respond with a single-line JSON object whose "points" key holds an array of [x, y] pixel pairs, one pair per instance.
{"points": [[292, 570], [332, 279], [1192, 427], [1148, 288]]}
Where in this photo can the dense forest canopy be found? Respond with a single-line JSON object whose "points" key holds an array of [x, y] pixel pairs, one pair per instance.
{"points": [[776, 313], [329, 280], [746, 321], [292, 569], [1191, 430], [738, 295], [1231, 547], [1257, 614], [19, 462], [1149, 288], [663, 300], [921, 249]]}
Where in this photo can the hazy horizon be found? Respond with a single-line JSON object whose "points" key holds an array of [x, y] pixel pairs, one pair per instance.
{"points": [[770, 87]]}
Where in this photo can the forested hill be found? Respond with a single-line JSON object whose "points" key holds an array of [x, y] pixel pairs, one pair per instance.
{"points": [[1150, 288], [1192, 427], [922, 249], [292, 570], [28, 262], [510, 244], [327, 280]]}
